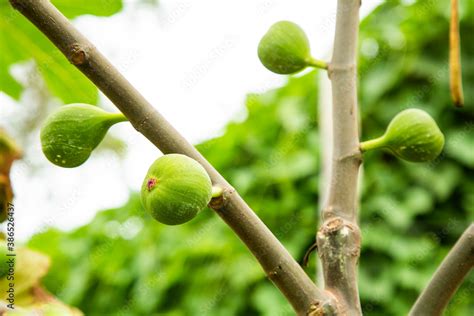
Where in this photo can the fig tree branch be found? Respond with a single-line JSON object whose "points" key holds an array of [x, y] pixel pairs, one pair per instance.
{"points": [[447, 278], [339, 235], [325, 129], [278, 264]]}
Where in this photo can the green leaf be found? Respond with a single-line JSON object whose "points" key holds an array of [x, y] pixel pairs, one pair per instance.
{"points": [[74, 8], [20, 41], [460, 145]]}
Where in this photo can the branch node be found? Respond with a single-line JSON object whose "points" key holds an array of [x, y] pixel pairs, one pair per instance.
{"points": [[144, 121], [273, 273], [320, 308], [338, 238], [335, 67], [332, 226], [339, 249], [77, 54], [316, 310], [355, 155], [219, 202]]}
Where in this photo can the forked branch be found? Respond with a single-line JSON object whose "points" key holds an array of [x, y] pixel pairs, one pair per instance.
{"points": [[447, 278], [279, 265]]}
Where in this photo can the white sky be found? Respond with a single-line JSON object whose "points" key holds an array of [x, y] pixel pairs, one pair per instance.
{"points": [[194, 61]]}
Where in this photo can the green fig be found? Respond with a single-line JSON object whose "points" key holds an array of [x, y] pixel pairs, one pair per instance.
{"points": [[175, 189], [70, 134], [412, 135], [284, 49]]}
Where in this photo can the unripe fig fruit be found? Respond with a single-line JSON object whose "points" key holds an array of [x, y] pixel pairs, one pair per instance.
{"points": [[412, 135], [284, 49], [175, 189], [70, 134]]}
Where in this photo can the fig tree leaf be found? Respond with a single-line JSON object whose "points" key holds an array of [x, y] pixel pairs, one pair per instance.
{"points": [[30, 267], [21, 42], [74, 8], [9, 85]]}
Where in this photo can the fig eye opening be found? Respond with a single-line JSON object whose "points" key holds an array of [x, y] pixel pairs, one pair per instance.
{"points": [[151, 184]]}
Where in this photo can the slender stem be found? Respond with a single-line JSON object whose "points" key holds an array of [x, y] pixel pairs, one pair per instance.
{"points": [[372, 144], [316, 63], [455, 73], [117, 118], [447, 278], [339, 236], [279, 265]]}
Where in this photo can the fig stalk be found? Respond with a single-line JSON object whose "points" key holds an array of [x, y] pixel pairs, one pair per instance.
{"points": [[115, 118], [316, 63], [373, 144]]}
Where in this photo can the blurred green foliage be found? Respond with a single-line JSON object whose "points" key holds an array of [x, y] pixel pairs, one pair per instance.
{"points": [[124, 263], [20, 41]]}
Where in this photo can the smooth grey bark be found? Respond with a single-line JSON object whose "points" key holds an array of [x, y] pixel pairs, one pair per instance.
{"points": [[339, 236]]}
